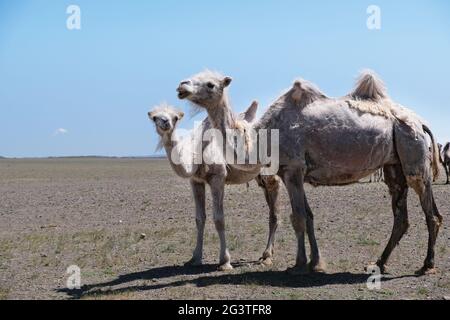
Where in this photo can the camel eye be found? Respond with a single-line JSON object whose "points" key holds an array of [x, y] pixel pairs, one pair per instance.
{"points": [[210, 85]]}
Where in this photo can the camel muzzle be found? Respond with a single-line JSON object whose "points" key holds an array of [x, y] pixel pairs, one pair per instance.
{"points": [[184, 90]]}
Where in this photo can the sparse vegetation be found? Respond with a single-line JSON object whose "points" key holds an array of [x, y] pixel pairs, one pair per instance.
{"points": [[94, 209]]}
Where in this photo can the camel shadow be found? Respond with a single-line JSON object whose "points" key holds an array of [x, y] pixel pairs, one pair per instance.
{"points": [[150, 274], [261, 278]]}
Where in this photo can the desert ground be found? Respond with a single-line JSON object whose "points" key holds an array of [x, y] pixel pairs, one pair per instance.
{"points": [[129, 225]]}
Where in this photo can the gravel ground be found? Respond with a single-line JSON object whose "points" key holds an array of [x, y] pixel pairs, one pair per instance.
{"points": [[129, 225]]}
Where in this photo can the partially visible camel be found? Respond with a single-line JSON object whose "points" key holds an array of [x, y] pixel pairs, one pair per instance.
{"points": [[326, 141], [444, 157], [166, 118]]}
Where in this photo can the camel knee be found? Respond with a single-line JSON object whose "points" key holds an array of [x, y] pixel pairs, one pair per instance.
{"points": [[298, 223], [200, 222], [273, 220], [271, 183], [405, 225], [220, 224], [417, 183], [434, 224]]}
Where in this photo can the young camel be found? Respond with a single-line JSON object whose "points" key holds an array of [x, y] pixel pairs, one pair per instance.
{"points": [[325, 141], [166, 119]]}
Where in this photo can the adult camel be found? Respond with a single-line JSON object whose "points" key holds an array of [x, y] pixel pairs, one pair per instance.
{"points": [[327, 141]]}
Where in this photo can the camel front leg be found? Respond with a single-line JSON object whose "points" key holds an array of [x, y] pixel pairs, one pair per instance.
{"points": [[217, 192], [316, 264], [198, 191], [271, 186], [293, 179]]}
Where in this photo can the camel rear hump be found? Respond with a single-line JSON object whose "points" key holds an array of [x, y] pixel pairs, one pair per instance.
{"points": [[369, 86]]}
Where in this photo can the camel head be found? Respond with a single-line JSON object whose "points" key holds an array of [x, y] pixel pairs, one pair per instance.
{"points": [[165, 118], [205, 89]]}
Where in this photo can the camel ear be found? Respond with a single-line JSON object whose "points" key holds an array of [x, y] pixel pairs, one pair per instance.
{"points": [[180, 115], [226, 81], [250, 113]]}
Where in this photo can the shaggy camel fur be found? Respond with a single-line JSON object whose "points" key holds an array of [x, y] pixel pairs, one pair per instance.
{"points": [[326, 141], [166, 119]]}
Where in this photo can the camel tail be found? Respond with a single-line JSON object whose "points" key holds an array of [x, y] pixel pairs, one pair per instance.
{"points": [[369, 86], [435, 153]]}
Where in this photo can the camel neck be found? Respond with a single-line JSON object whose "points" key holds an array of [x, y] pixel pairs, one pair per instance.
{"points": [[221, 116], [175, 156], [169, 141]]}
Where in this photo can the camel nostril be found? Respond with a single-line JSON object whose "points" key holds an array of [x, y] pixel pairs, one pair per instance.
{"points": [[184, 82]]}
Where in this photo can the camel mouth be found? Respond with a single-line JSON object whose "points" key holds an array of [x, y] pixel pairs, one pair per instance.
{"points": [[164, 127], [183, 94], [184, 90]]}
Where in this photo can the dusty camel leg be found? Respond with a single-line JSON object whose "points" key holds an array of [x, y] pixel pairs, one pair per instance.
{"points": [[294, 184], [271, 187], [436, 212], [198, 190], [217, 191], [447, 172], [398, 188], [316, 264], [433, 219]]}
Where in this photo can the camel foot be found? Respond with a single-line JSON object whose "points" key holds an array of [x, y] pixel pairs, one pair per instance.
{"points": [[298, 270], [266, 261], [426, 271], [317, 267], [194, 262], [225, 267]]}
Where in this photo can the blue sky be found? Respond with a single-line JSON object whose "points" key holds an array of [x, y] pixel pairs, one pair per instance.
{"points": [[87, 92]]}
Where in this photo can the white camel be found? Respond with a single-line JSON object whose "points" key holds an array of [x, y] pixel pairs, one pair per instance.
{"points": [[216, 175]]}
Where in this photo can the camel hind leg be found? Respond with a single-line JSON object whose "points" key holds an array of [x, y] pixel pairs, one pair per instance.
{"points": [[398, 189], [432, 216], [447, 172], [271, 186], [419, 166]]}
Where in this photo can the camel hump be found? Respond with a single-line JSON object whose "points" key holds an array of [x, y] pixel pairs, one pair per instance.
{"points": [[369, 86]]}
